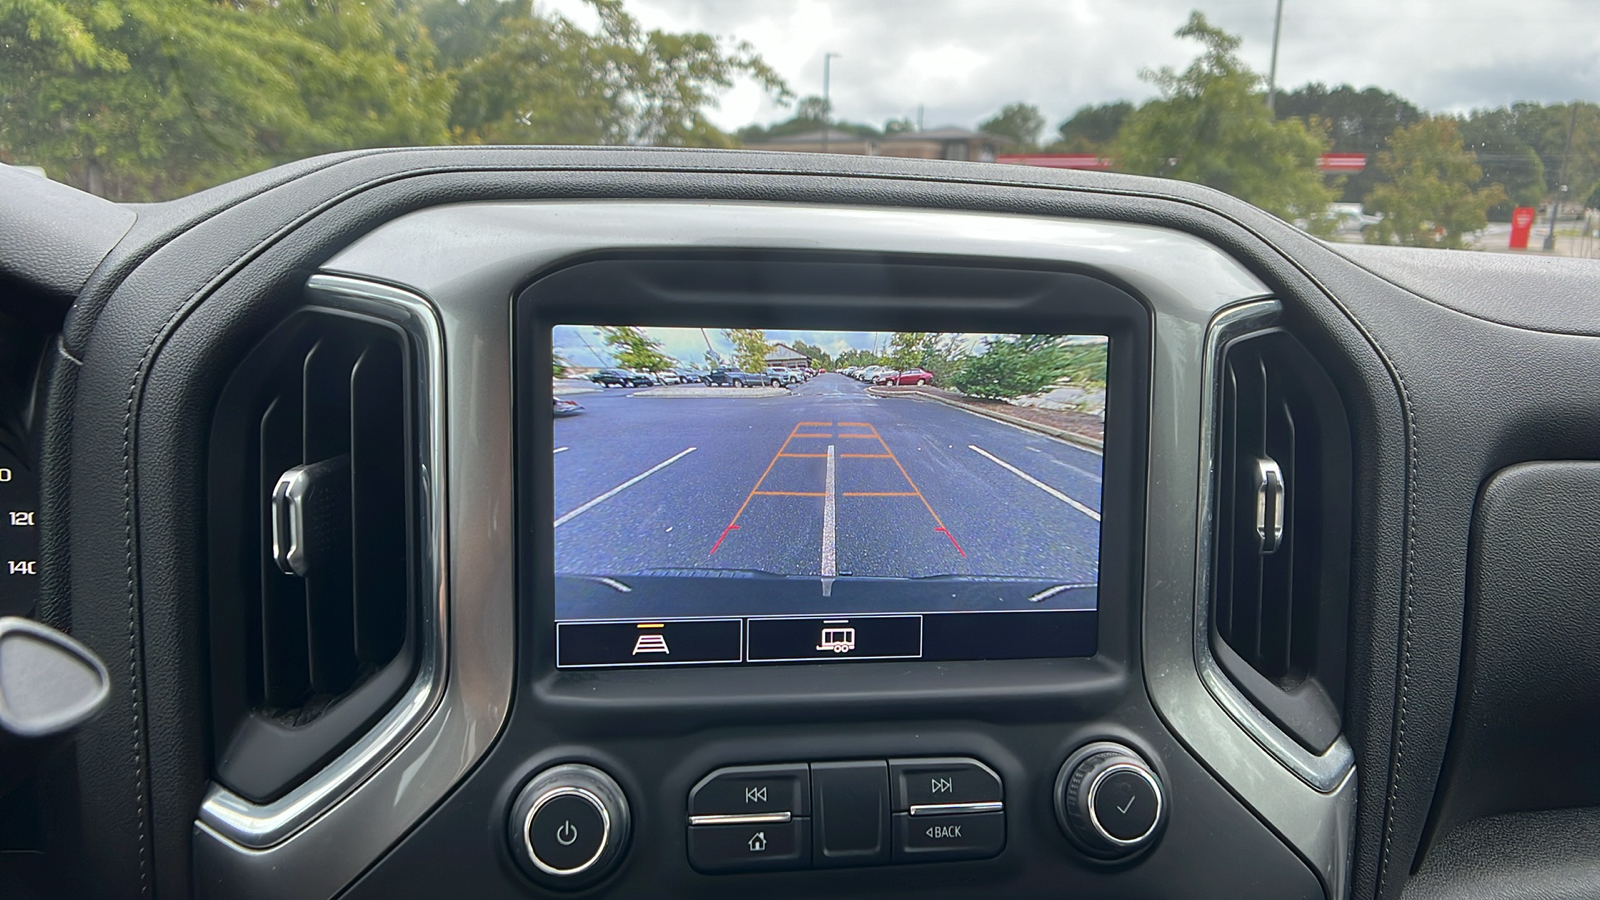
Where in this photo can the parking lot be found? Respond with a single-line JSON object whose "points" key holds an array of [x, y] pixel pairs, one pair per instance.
{"points": [[825, 481]]}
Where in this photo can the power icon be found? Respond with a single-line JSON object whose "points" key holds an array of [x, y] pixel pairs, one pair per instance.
{"points": [[566, 834]]}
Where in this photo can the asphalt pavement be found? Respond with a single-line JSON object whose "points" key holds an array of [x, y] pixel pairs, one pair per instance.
{"points": [[826, 481]]}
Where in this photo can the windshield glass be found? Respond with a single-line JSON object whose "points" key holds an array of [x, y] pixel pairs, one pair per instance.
{"points": [[1439, 123]]}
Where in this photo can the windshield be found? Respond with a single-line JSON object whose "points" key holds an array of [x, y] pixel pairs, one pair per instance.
{"points": [[1435, 123]]}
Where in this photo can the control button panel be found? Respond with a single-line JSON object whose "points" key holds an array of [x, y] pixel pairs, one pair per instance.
{"points": [[848, 813], [568, 826]]}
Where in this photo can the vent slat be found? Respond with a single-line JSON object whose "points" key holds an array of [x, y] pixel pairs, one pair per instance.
{"points": [[379, 488], [284, 675]]}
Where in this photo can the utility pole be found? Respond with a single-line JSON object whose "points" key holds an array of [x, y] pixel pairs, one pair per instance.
{"points": [[919, 116], [827, 58], [1272, 72], [1561, 187], [592, 349]]}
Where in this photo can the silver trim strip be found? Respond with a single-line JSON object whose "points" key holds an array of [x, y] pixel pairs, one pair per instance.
{"points": [[1326, 772], [260, 825], [949, 809], [545, 798], [777, 818]]}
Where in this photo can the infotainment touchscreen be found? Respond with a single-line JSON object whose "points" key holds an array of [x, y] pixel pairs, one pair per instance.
{"points": [[730, 496]]}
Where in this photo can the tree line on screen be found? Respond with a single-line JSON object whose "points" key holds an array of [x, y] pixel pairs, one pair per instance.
{"points": [[152, 99], [998, 367]]}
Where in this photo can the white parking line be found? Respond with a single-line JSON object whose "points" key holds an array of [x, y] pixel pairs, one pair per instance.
{"points": [[1035, 482], [830, 563], [559, 450], [622, 487]]}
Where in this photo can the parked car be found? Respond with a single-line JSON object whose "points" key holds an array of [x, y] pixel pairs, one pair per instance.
{"points": [[912, 376], [735, 378], [885, 376], [783, 377], [667, 376], [565, 407], [621, 378], [690, 376]]}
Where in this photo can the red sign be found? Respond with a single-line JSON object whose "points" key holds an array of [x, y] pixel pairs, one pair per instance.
{"points": [[1521, 225], [1342, 162]]}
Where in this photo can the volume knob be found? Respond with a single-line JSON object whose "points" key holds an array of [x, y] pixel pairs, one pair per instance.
{"points": [[1109, 801]]}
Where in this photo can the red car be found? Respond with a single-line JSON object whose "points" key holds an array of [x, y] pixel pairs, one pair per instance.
{"points": [[912, 376]]}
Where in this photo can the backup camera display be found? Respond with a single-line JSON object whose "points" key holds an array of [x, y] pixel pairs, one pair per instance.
{"points": [[734, 496]]}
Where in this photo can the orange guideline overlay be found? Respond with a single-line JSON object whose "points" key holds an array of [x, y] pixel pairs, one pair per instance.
{"points": [[811, 432]]}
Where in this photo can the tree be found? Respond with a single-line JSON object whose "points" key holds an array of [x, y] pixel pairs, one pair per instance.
{"points": [[1429, 199], [558, 365], [1357, 121], [749, 348], [1015, 365], [899, 126], [1092, 128], [1501, 150], [532, 77], [1020, 123], [818, 356], [809, 115], [634, 349], [857, 356], [151, 99], [147, 99], [1211, 125]]}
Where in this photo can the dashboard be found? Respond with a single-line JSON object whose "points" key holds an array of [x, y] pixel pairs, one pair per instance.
{"points": [[349, 613]]}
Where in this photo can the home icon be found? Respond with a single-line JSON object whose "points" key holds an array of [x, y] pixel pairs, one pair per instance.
{"points": [[758, 843]]}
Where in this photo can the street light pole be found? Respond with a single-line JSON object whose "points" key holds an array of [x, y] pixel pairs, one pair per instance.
{"points": [[1272, 72], [1561, 186], [827, 58]]}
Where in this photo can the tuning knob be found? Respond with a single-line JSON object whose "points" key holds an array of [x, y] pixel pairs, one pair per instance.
{"points": [[569, 826], [1109, 801]]}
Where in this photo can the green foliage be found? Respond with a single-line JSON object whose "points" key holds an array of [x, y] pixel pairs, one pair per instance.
{"points": [[819, 357], [558, 365], [941, 353], [1211, 126], [858, 357], [898, 126], [1020, 123], [1012, 366], [150, 99], [634, 349], [1497, 142], [749, 348], [1357, 121], [1092, 128], [1430, 198], [809, 115]]}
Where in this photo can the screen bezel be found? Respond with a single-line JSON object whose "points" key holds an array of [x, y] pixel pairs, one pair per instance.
{"points": [[833, 291]]}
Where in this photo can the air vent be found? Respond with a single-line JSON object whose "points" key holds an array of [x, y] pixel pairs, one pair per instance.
{"points": [[314, 551], [1283, 497]]}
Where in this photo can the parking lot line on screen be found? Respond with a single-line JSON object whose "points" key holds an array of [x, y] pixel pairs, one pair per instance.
{"points": [[621, 487], [830, 561], [917, 492], [1086, 510], [733, 524]]}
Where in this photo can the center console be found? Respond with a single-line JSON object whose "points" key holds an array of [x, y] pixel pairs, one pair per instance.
{"points": [[773, 630]]}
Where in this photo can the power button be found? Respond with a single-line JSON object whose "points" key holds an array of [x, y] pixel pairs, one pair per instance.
{"points": [[567, 830], [569, 826]]}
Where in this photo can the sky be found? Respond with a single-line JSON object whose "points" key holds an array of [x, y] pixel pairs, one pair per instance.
{"points": [[961, 60]]}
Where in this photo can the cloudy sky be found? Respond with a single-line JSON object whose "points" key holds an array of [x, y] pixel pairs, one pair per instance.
{"points": [[582, 345], [964, 59]]}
